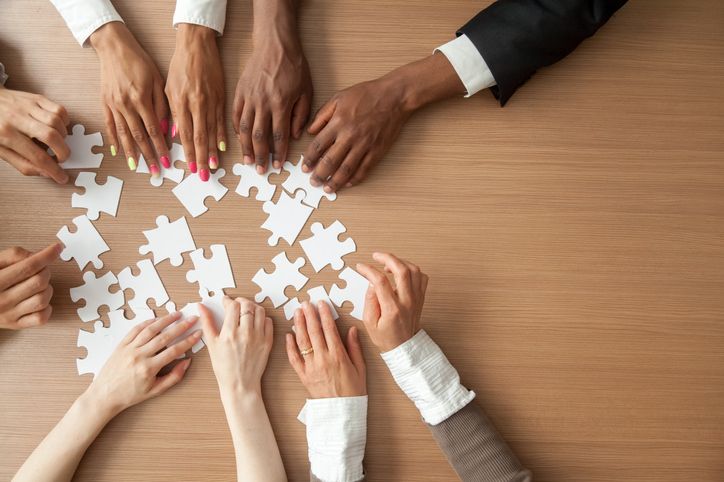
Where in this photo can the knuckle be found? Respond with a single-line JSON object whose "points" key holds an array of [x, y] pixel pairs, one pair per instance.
{"points": [[316, 146], [26, 170], [138, 135], [153, 130], [18, 252], [327, 161], [278, 136], [258, 134], [244, 126], [200, 137], [346, 169]]}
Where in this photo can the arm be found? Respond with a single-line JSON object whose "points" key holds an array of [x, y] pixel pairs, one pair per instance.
{"points": [[392, 317], [335, 377], [239, 353], [83, 17], [130, 376]]}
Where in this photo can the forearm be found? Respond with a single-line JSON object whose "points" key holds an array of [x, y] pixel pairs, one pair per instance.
{"points": [[276, 18], [257, 453], [58, 455]]}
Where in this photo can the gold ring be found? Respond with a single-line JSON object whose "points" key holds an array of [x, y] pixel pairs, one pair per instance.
{"points": [[307, 351]]}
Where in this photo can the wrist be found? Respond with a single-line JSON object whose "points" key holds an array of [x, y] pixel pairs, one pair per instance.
{"points": [[188, 34], [91, 402], [239, 396], [109, 36]]}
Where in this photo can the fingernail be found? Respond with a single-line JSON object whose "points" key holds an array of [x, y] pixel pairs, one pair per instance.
{"points": [[164, 126], [187, 364], [113, 150], [328, 189], [305, 168], [315, 182], [248, 160], [155, 171], [204, 174], [213, 162], [222, 146], [174, 130], [192, 167], [165, 162], [276, 164], [132, 163], [260, 169], [349, 184]]}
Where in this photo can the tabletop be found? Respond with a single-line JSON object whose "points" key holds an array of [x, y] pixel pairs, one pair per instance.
{"points": [[574, 242]]}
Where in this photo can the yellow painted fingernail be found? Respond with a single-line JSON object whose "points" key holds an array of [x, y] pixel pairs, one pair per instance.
{"points": [[132, 164], [113, 150], [222, 146]]}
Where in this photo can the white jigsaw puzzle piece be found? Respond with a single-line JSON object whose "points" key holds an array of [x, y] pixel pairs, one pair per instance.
{"points": [[324, 248], [81, 149], [85, 244], [96, 294], [192, 192], [273, 284], [286, 218], [354, 292], [250, 178], [316, 294], [168, 240], [215, 304], [173, 173], [147, 285], [101, 343], [97, 198], [213, 274], [299, 180]]}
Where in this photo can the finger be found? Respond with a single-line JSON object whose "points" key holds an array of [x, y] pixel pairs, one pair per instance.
{"points": [[314, 328], [246, 125], [401, 273], [322, 117], [363, 169], [27, 288], [213, 161], [186, 134], [110, 130], [152, 123], [29, 266], [56, 132], [371, 314], [383, 289], [12, 255], [329, 162], [37, 302], [166, 337], [247, 310], [135, 331], [174, 351], [268, 331], [35, 319], [139, 135], [259, 318], [23, 166], [237, 109], [201, 139], [300, 115], [300, 330], [354, 349], [208, 324], [295, 359], [54, 108], [345, 170], [170, 379], [329, 328], [280, 137], [124, 134], [153, 329], [232, 313], [220, 129], [38, 157], [260, 139]]}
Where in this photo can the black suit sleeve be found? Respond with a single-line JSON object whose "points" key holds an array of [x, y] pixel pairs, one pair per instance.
{"points": [[517, 37]]}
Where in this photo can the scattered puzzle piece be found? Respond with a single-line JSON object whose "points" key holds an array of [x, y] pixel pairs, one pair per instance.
{"points": [[316, 294], [81, 149], [214, 303], [173, 173], [354, 292], [85, 244], [97, 198], [96, 294], [299, 180], [324, 248], [273, 285], [168, 240], [213, 274], [192, 192], [147, 285], [286, 218], [250, 178]]}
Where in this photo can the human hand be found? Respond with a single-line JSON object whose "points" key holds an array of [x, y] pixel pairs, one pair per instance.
{"points": [[25, 117], [240, 350], [25, 290], [273, 97], [392, 314], [329, 370], [132, 91], [131, 374], [195, 91]]}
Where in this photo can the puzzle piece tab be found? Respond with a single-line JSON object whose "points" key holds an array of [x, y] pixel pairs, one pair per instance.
{"points": [[316, 294], [299, 180], [168, 240], [286, 218], [354, 292], [213, 274], [81, 149], [250, 178], [97, 198], [324, 248], [273, 284], [147, 285], [96, 294], [85, 244], [192, 192], [173, 173]]}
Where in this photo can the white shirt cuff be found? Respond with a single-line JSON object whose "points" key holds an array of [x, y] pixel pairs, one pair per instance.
{"points": [[336, 437], [84, 17], [422, 371], [208, 13], [3, 75], [468, 63]]}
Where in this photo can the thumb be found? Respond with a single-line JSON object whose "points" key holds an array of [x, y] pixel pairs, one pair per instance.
{"points": [[322, 117], [208, 325], [355, 350], [372, 312]]}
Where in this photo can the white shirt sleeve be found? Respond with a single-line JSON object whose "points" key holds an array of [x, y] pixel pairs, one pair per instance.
{"points": [[468, 63], [422, 371], [209, 13], [84, 17], [336, 437], [3, 75]]}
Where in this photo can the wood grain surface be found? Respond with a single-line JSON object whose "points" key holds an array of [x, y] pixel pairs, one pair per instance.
{"points": [[574, 241]]}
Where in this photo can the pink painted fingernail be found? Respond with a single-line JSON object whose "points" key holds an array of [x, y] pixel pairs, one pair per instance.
{"points": [[165, 162], [164, 126], [174, 130], [155, 171], [192, 167], [213, 162], [204, 174], [248, 160]]}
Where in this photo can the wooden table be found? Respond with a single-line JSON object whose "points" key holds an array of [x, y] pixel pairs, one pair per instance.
{"points": [[574, 240]]}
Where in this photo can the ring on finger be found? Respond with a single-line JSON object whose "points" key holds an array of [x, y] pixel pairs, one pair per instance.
{"points": [[307, 351]]}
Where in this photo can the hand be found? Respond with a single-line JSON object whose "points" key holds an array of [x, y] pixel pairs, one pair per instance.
{"points": [[273, 97], [195, 91], [25, 289], [132, 91], [26, 117], [240, 350], [392, 314], [130, 375], [330, 370]]}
